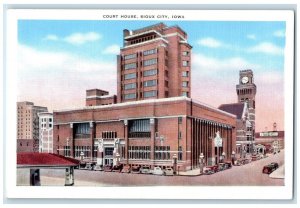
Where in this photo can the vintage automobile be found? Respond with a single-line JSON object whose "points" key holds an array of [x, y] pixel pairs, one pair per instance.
{"points": [[267, 169], [126, 169], [221, 166], [157, 171], [107, 168], [145, 170], [228, 165], [117, 168], [210, 169], [135, 169], [168, 171]]}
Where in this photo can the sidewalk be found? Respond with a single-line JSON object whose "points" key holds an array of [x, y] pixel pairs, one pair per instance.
{"points": [[194, 172], [279, 173]]}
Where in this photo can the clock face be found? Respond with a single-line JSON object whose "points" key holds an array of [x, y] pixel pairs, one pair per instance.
{"points": [[245, 80]]}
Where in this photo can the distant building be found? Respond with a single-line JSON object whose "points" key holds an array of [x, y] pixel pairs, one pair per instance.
{"points": [[272, 140], [244, 109], [46, 132], [28, 125]]}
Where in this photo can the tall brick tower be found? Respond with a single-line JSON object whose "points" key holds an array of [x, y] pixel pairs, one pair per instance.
{"points": [[155, 62], [246, 91]]}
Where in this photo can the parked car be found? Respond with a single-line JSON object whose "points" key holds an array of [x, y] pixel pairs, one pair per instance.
{"points": [[145, 170], [157, 171], [89, 166], [168, 172], [135, 169], [221, 166], [107, 168], [228, 165], [210, 169], [267, 169], [117, 168], [126, 169]]}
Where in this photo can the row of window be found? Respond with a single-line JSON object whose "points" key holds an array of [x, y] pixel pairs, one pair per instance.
{"points": [[86, 150], [139, 152], [139, 40], [150, 72], [109, 134], [147, 94], [148, 62]]}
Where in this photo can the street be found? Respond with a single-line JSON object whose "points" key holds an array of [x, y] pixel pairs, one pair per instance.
{"points": [[246, 175]]}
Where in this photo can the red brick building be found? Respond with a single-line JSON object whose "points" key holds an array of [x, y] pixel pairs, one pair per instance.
{"points": [[154, 63], [145, 132], [143, 129]]}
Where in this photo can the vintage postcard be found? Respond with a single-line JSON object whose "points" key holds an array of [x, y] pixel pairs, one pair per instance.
{"points": [[187, 104]]}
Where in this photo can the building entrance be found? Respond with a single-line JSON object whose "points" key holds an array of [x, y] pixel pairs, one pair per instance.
{"points": [[108, 155]]}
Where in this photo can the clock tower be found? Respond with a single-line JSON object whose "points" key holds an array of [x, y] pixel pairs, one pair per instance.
{"points": [[246, 91]]}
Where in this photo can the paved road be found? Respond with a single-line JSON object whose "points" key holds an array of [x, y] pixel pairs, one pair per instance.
{"points": [[247, 175]]}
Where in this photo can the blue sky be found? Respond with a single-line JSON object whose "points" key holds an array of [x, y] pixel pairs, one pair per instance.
{"points": [[59, 60], [235, 37]]}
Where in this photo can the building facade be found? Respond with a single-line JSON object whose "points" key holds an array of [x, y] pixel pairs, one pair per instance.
{"points": [[244, 133], [46, 132], [148, 132], [154, 121], [155, 62], [28, 123]]}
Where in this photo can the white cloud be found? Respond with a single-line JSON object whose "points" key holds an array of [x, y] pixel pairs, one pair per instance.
{"points": [[51, 37], [210, 42], [113, 49], [251, 36], [212, 65], [267, 48], [59, 78], [81, 38], [279, 33]]}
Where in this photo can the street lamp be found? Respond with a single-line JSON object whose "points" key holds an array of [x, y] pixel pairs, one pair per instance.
{"points": [[223, 157], [201, 163], [232, 157], [174, 164], [118, 158]]}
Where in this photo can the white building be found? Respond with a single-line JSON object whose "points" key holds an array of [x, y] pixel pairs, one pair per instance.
{"points": [[46, 132]]}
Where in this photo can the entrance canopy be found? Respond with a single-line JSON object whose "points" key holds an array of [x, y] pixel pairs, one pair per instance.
{"points": [[44, 160]]}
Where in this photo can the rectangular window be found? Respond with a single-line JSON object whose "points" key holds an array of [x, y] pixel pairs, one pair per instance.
{"points": [[139, 152], [150, 72], [67, 151], [180, 153], [130, 86], [185, 63], [150, 83], [185, 84], [130, 56], [150, 62], [162, 153], [129, 96], [130, 76], [185, 53], [152, 93], [186, 94], [82, 130], [149, 52], [130, 66], [185, 74], [139, 128]]}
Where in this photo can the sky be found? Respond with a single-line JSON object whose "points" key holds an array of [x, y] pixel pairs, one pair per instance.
{"points": [[58, 60]]}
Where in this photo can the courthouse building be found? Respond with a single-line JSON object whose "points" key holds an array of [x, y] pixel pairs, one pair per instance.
{"points": [[152, 119]]}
